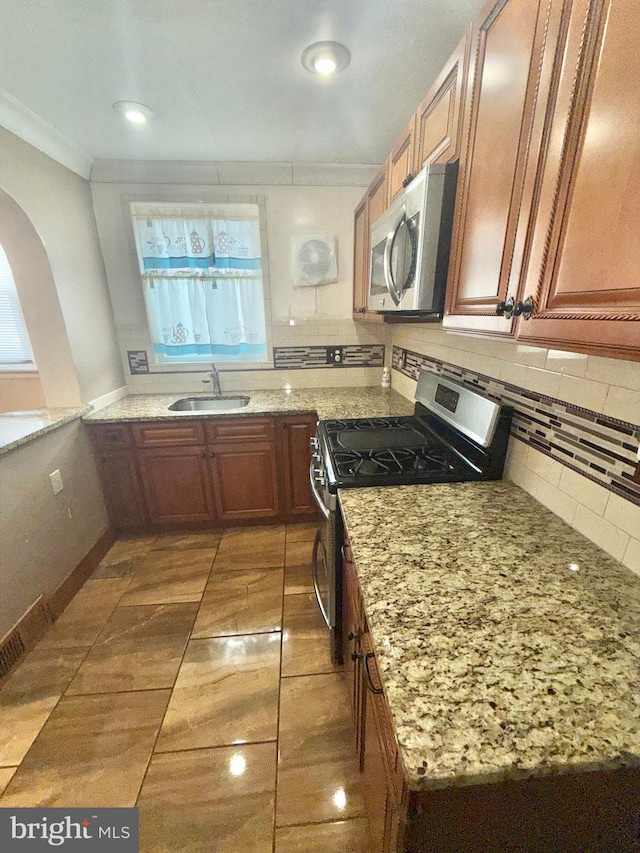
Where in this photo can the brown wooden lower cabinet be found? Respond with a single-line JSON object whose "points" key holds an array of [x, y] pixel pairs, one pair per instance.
{"points": [[176, 484], [121, 488], [200, 472], [294, 433], [244, 479], [588, 812]]}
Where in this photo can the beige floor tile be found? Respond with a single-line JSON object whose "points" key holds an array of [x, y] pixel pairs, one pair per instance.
{"points": [[30, 695], [92, 750], [126, 568], [297, 567], [128, 548], [240, 602], [187, 541], [5, 777], [207, 800], [226, 692], [305, 638], [345, 836], [301, 532], [86, 614], [251, 547], [139, 648], [170, 577], [318, 777]]}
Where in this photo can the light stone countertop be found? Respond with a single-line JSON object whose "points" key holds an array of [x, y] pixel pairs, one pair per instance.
{"points": [[508, 644], [357, 402], [18, 428]]}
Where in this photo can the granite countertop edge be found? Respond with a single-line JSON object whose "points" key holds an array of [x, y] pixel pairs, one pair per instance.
{"points": [[357, 401], [22, 427]]}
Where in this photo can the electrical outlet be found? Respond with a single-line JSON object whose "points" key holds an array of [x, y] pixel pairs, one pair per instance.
{"points": [[56, 482], [335, 355]]}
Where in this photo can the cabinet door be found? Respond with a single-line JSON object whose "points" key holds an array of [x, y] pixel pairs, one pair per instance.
{"points": [[377, 195], [585, 253], [439, 116], [176, 484], [508, 43], [295, 457], [361, 261], [121, 489], [245, 481], [401, 159]]}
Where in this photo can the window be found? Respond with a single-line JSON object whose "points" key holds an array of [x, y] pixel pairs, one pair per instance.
{"points": [[201, 272], [15, 349]]}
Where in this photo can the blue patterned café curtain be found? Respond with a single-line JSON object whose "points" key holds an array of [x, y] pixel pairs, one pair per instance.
{"points": [[202, 283]]}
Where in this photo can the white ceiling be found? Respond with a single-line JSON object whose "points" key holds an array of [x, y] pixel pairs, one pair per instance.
{"points": [[224, 76]]}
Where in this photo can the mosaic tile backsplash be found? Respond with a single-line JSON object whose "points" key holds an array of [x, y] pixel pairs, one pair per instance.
{"points": [[347, 355], [599, 447]]}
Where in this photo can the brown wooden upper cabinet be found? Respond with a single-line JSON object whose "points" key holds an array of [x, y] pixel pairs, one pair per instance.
{"points": [[401, 160], [373, 204], [377, 194], [584, 253], [438, 120], [503, 83]]}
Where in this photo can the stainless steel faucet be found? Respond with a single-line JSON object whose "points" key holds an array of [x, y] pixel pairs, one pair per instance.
{"points": [[213, 376]]}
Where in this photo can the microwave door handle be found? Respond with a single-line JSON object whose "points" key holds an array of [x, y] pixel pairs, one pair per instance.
{"points": [[388, 274]]}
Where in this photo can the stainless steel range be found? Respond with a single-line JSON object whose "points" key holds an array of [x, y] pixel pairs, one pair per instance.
{"points": [[454, 435]]}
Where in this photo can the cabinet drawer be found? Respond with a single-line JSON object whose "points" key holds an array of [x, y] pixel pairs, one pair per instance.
{"points": [[239, 429], [111, 436], [170, 433]]}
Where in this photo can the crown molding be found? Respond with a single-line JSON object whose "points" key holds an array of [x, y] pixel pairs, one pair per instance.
{"points": [[228, 173], [24, 123]]}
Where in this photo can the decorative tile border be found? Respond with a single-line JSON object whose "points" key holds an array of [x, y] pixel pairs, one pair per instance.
{"points": [[351, 355], [138, 361], [595, 445]]}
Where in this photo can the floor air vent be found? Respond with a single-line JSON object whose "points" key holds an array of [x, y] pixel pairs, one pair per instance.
{"points": [[23, 636]]}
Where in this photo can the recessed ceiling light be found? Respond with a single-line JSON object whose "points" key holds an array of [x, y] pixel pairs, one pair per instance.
{"points": [[325, 57], [134, 112]]}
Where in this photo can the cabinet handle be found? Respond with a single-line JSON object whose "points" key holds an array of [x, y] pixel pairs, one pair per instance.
{"points": [[367, 674], [343, 551], [356, 655]]}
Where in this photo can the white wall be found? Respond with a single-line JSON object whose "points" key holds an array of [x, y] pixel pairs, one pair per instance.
{"points": [[610, 386], [76, 347], [296, 316], [58, 203], [39, 542]]}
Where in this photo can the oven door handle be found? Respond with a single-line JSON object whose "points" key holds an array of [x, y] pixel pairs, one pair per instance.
{"points": [[314, 571], [316, 494]]}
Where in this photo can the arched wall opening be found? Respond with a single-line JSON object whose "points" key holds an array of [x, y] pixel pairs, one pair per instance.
{"points": [[43, 317]]}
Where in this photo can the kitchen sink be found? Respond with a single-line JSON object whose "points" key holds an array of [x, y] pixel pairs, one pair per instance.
{"points": [[208, 404]]}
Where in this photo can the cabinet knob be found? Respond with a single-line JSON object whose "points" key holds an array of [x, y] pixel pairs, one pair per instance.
{"points": [[528, 307], [500, 309], [508, 308]]}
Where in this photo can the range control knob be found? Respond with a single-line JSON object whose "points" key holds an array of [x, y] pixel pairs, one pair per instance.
{"points": [[313, 443]]}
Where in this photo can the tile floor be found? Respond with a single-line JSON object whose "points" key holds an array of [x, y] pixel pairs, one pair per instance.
{"points": [[190, 676]]}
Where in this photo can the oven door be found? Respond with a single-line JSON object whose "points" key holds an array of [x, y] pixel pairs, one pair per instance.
{"points": [[323, 562]]}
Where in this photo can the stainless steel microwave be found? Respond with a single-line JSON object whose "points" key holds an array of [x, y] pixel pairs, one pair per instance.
{"points": [[410, 246]]}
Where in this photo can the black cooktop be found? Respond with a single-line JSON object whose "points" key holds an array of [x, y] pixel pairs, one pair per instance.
{"points": [[391, 451]]}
